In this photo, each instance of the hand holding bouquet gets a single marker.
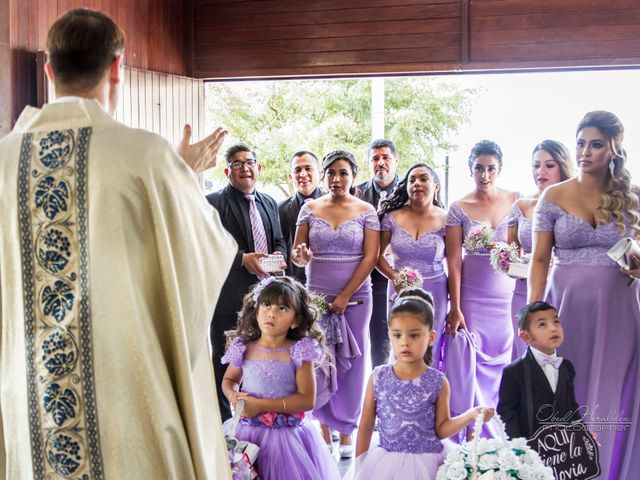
(407, 277)
(502, 255)
(479, 237)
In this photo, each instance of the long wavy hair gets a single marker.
(400, 197)
(418, 302)
(560, 155)
(280, 291)
(619, 200)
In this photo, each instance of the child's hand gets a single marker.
(251, 408)
(486, 413)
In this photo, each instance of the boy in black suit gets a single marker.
(537, 389)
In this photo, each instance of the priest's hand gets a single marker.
(201, 155)
(251, 261)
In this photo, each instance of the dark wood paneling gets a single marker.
(585, 32)
(317, 37)
(158, 31)
(280, 38)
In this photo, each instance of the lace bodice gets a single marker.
(406, 410)
(524, 224)
(347, 239)
(271, 373)
(425, 254)
(457, 218)
(576, 242)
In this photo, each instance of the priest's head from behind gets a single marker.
(85, 50)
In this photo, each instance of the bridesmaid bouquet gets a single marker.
(502, 255)
(408, 278)
(493, 459)
(479, 237)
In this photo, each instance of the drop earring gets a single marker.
(612, 166)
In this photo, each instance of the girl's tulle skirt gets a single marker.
(291, 453)
(379, 464)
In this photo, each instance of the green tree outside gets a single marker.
(279, 118)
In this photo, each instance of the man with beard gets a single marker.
(383, 162)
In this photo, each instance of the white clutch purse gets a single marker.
(623, 253)
(518, 270)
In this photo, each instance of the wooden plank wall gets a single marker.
(554, 33)
(236, 39)
(162, 103)
(159, 39)
(320, 37)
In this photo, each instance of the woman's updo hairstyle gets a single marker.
(331, 157)
(485, 147)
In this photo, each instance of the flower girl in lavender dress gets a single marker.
(410, 400)
(273, 359)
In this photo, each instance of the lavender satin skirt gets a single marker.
(329, 278)
(518, 301)
(474, 359)
(601, 319)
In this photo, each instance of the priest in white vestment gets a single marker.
(111, 263)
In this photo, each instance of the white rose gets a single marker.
(442, 473)
(488, 462)
(499, 475)
(508, 460)
(453, 457)
(519, 443)
(525, 472)
(531, 457)
(456, 471)
(487, 475)
(540, 472)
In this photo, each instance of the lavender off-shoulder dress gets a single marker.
(336, 255)
(475, 357)
(600, 314)
(408, 448)
(290, 448)
(426, 254)
(519, 299)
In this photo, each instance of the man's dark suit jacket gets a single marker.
(367, 192)
(234, 214)
(289, 210)
(522, 415)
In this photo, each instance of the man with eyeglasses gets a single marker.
(383, 162)
(252, 219)
(305, 176)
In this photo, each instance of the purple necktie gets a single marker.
(547, 360)
(257, 228)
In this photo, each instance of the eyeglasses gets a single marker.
(238, 164)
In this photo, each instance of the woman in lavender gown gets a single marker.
(338, 240)
(579, 220)
(550, 164)
(480, 311)
(412, 224)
